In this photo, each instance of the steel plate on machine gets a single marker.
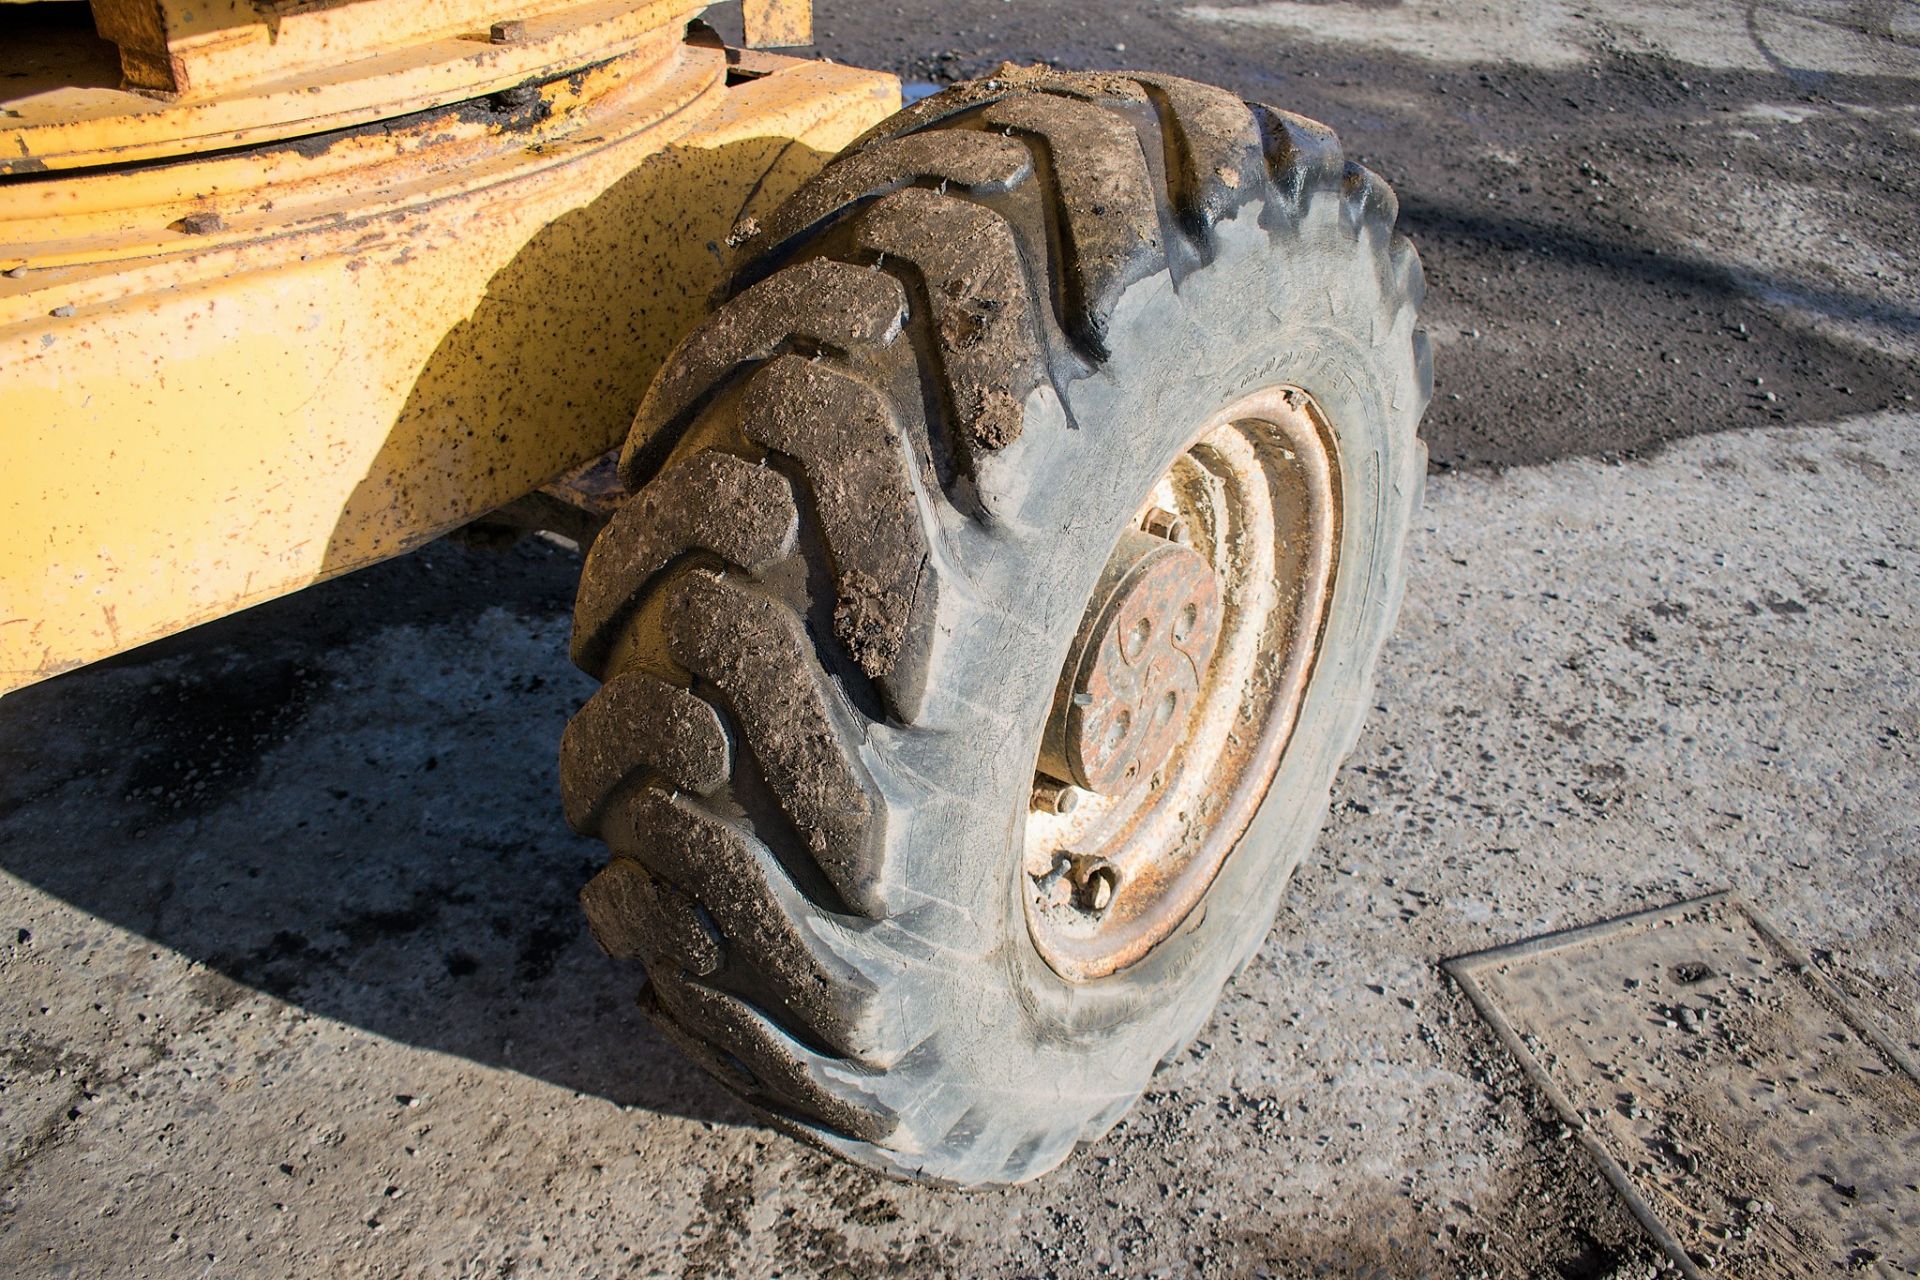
(1756, 1124)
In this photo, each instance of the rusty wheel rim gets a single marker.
(1180, 694)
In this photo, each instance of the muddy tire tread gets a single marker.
(910, 295)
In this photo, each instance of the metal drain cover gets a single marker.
(1756, 1125)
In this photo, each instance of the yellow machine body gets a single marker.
(268, 317)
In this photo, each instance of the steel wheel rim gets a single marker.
(1113, 875)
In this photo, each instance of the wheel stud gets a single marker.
(1052, 796)
(1162, 523)
(1094, 881)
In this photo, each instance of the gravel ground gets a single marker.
(291, 976)
(304, 984)
(1629, 211)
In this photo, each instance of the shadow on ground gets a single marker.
(346, 799)
(1621, 251)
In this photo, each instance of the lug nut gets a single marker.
(1094, 882)
(1050, 796)
(1162, 523)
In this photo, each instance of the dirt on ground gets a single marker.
(1638, 220)
(1758, 1124)
(292, 978)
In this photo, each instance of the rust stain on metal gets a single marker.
(213, 78)
(1139, 660)
(200, 224)
(593, 486)
(1178, 702)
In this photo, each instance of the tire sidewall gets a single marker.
(1310, 300)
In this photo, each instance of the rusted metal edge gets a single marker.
(575, 506)
(1828, 994)
(1463, 968)
(325, 67)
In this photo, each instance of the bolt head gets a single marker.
(1094, 882)
(1055, 797)
(511, 31)
(1162, 523)
(1099, 892)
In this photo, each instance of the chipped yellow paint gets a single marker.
(777, 24)
(362, 341)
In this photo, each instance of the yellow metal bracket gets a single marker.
(68, 99)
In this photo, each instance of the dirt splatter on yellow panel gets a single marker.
(253, 407)
(777, 24)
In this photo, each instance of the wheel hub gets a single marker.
(1137, 666)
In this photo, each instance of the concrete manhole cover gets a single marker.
(1756, 1125)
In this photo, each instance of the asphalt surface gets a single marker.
(291, 977)
(1627, 211)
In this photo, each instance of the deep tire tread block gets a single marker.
(881, 339)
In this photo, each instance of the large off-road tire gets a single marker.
(879, 494)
